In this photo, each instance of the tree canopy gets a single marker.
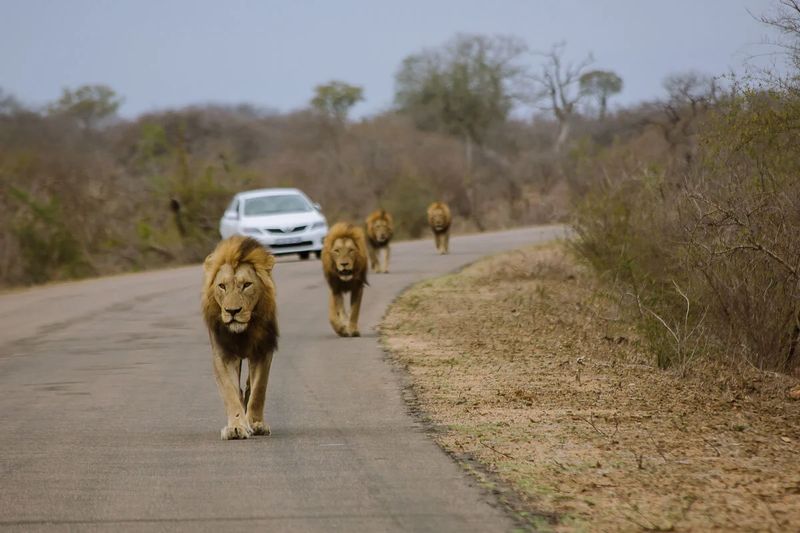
(462, 88)
(600, 84)
(335, 99)
(88, 104)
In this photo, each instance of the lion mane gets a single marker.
(375, 216)
(261, 336)
(345, 230)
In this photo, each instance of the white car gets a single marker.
(284, 220)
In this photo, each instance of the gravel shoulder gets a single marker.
(525, 368)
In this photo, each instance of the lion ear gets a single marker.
(264, 270)
(208, 272)
(269, 262)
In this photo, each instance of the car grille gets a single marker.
(284, 231)
(291, 245)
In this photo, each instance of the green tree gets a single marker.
(48, 246)
(335, 99)
(600, 84)
(87, 104)
(463, 88)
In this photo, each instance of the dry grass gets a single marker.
(533, 374)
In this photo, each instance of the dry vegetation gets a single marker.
(84, 192)
(139, 194)
(703, 245)
(698, 232)
(526, 363)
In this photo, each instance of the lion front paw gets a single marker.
(236, 431)
(260, 428)
(354, 332)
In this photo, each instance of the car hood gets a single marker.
(284, 220)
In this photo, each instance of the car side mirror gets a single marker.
(317, 206)
(231, 215)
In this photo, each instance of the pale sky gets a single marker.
(173, 53)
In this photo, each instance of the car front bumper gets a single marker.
(306, 241)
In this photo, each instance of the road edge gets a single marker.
(497, 492)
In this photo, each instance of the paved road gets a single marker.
(109, 416)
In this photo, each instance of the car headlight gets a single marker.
(318, 225)
(251, 231)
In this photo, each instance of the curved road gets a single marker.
(110, 415)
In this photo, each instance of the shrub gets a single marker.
(48, 248)
(710, 257)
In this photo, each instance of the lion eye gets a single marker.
(221, 286)
(246, 284)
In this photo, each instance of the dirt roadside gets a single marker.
(527, 370)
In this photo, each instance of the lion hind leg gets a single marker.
(247, 392)
(242, 392)
(355, 309)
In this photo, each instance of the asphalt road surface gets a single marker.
(110, 418)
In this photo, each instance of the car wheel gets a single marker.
(318, 254)
(304, 255)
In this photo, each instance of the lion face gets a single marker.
(438, 219)
(343, 253)
(381, 230)
(237, 293)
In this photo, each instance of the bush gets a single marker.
(710, 257)
(48, 248)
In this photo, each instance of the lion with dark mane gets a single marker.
(439, 218)
(380, 229)
(344, 263)
(238, 302)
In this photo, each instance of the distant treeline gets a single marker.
(83, 192)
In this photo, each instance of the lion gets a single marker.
(439, 218)
(238, 303)
(344, 263)
(380, 228)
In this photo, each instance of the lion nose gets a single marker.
(233, 312)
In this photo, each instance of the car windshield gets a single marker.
(273, 205)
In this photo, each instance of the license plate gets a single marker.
(288, 240)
